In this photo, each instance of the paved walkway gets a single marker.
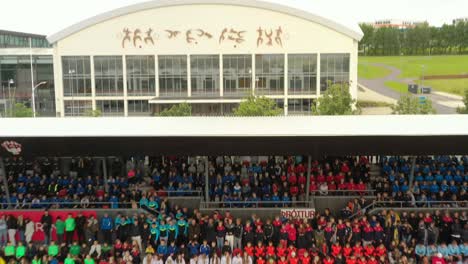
(443, 103)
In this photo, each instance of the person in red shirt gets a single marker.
(292, 179)
(328, 260)
(291, 250)
(380, 251)
(340, 176)
(332, 186)
(260, 260)
(294, 190)
(292, 233)
(320, 178)
(347, 250)
(351, 260)
(330, 178)
(369, 250)
(280, 250)
(302, 179)
(293, 259)
(361, 187)
(313, 187)
(260, 250)
(249, 249)
(372, 260)
(438, 259)
(351, 186)
(362, 260)
(270, 250)
(336, 249)
(357, 250)
(282, 260)
(305, 259)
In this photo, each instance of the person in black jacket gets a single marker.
(46, 221)
(237, 232)
(268, 230)
(80, 226)
(12, 226)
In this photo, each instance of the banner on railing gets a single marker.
(36, 216)
(298, 213)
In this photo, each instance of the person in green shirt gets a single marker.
(20, 251)
(9, 250)
(70, 226)
(36, 260)
(69, 259)
(89, 260)
(59, 229)
(53, 249)
(75, 249)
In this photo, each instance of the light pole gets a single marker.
(10, 106)
(34, 97)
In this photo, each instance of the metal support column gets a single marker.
(411, 176)
(207, 181)
(104, 173)
(309, 168)
(5, 181)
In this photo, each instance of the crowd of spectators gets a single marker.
(79, 182)
(436, 180)
(179, 236)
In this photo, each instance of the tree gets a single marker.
(335, 101)
(411, 105)
(464, 110)
(21, 110)
(93, 113)
(258, 106)
(183, 109)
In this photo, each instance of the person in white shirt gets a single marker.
(170, 260)
(194, 259)
(246, 259)
(215, 259)
(237, 259)
(29, 230)
(226, 258)
(180, 259)
(203, 259)
(95, 248)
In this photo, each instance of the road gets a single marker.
(443, 104)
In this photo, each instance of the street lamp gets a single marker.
(10, 82)
(34, 97)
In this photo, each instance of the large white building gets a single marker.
(141, 59)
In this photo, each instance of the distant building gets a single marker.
(459, 20)
(395, 23)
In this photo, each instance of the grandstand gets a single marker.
(241, 190)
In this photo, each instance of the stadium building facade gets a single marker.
(142, 59)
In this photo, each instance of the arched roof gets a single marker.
(348, 31)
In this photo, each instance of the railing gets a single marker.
(431, 205)
(343, 193)
(254, 204)
(70, 205)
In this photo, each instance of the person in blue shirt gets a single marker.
(453, 249)
(420, 251)
(444, 186)
(395, 187)
(172, 249)
(443, 249)
(431, 250)
(152, 204)
(404, 188)
(429, 177)
(114, 202)
(182, 228)
(453, 188)
(286, 200)
(162, 248)
(457, 177)
(464, 248)
(106, 227)
(143, 202)
(449, 177)
(416, 190)
(193, 248)
(424, 186)
(419, 178)
(205, 248)
(275, 197)
(163, 231)
(439, 178)
(434, 187)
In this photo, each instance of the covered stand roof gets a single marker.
(352, 31)
(317, 136)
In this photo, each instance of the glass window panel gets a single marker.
(302, 73)
(269, 71)
(204, 75)
(108, 75)
(141, 80)
(173, 76)
(76, 76)
(334, 69)
(237, 75)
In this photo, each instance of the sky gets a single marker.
(50, 16)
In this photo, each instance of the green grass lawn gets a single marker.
(397, 86)
(455, 86)
(412, 66)
(368, 71)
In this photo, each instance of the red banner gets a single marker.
(36, 216)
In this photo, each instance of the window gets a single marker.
(110, 107)
(77, 107)
(140, 76)
(237, 75)
(76, 76)
(269, 74)
(302, 73)
(138, 108)
(300, 106)
(334, 69)
(173, 76)
(108, 76)
(204, 75)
